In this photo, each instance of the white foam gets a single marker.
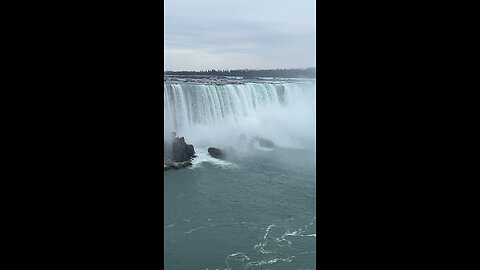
(202, 156)
(236, 258)
(239, 256)
(194, 229)
(298, 233)
(261, 246)
(294, 233)
(272, 261)
(268, 229)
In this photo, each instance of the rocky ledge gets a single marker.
(170, 164)
(264, 142)
(219, 153)
(177, 153)
(242, 142)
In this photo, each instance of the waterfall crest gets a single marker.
(210, 114)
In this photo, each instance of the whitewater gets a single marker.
(207, 114)
(256, 211)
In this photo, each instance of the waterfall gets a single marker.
(211, 114)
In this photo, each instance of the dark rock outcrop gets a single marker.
(170, 164)
(228, 152)
(264, 142)
(178, 150)
(181, 150)
(216, 153)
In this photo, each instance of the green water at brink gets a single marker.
(253, 212)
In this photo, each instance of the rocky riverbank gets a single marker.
(177, 153)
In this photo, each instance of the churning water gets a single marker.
(255, 211)
(217, 114)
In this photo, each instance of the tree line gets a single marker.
(252, 73)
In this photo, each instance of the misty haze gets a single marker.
(239, 134)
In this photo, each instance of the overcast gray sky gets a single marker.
(235, 34)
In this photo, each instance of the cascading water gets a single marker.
(216, 115)
(252, 197)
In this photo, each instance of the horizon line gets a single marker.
(241, 69)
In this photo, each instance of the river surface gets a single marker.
(256, 212)
(257, 209)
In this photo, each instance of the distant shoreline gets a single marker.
(250, 73)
